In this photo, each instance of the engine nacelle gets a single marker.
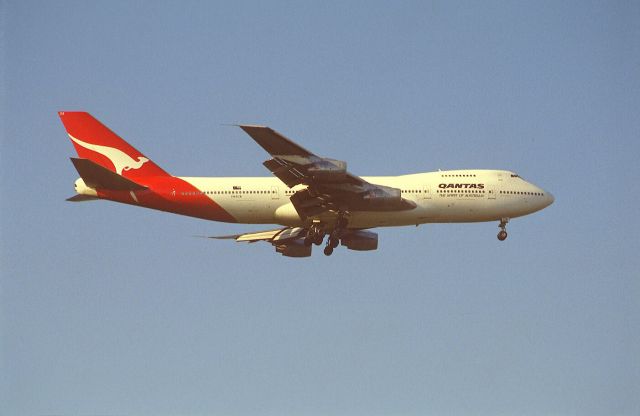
(361, 240)
(382, 197)
(294, 248)
(328, 170)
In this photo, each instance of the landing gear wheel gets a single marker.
(315, 235)
(328, 250)
(334, 238)
(502, 235)
(308, 240)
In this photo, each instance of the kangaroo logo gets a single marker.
(121, 161)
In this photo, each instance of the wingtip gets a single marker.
(217, 237)
(245, 126)
(252, 126)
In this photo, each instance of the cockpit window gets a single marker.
(514, 175)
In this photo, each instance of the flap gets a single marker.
(273, 236)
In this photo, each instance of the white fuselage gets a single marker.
(443, 196)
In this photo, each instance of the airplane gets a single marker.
(310, 197)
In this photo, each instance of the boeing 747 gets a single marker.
(311, 198)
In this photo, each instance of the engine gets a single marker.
(294, 248)
(360, 240)
(328, 170)
(382, 197)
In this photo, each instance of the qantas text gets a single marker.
(461, 185)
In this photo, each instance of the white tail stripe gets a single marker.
(121, 161)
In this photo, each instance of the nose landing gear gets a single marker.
(502, 235)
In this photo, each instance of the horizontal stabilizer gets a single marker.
(82, 198)
(96, 176)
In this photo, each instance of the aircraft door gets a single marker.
(426, 192)
(275, 192)
(491, 192)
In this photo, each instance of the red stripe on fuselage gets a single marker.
(171, 194)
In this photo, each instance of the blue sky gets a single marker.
(109, 309)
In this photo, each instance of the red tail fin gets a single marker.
(97, 143)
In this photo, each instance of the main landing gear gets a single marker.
(334, 238)
(502, 235)
(332, 242)
(315, 235)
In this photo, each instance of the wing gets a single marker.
(279, 235)
(287, 241)
(329, 186)
(290, 241)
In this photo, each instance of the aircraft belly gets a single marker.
(370, 219)
(480, 210)
(443, 210)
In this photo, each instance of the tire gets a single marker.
(502, 235)
(328, 250)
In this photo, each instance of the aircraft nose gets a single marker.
(550, 198)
